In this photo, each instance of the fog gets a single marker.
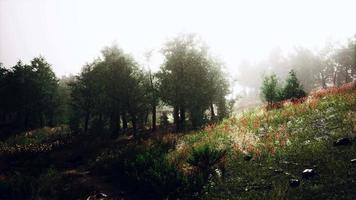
(70, 33)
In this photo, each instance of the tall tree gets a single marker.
(83, 97)
(152, 90)
(187, 82)
(111, 90)
(30, 92)
(270, 89)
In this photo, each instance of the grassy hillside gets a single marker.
(268, 150)
(255, 155)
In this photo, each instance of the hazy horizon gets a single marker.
(70, 33)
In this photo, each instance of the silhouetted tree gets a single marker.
(30, 92)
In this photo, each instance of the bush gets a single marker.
(146, 169)
(18, 186)
(292, 89)
(274, 94)
(206, 157)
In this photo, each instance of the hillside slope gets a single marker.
(256, 155)
(269, 150)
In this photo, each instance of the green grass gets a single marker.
(283, 143)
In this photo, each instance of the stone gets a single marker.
(247, 157)
(98, 196)
(308, 173)
(353, 161)
(294, 182)
(342, 142)
(285, 162)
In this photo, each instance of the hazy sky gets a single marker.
(70, 33)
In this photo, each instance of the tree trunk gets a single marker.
(26, 121)
(41, 120)
(124, 120)
(86, 124)
(334, 78)
(323, 80)
(346, 75)
(115, 124)
(182, 117)
(212, 112)
(176, 117)
(134, 125)
(154, 118)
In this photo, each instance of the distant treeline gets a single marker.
(332, 65)
(114, 93)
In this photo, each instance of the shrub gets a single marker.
(206, 157)
(19, 186)
(292, 89)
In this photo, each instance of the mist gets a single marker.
(177, 99)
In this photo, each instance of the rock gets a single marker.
(285, 162)
(353, 161)
(247, 157)
(98, 196)
(306, 142)
(308, 173)
(294, 182)
(342, 142)
(322, 138)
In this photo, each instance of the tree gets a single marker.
(47, 91)
(152, 90)
(30, 92)
(217, 90)
(4, 93)
(345, 67)
(187, 80)
(292, 89)
(270, 89)
(308, 66)
(83, 97)
(111, 90)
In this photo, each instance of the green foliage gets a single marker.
(270, 89)
(30, 94)
(205, 157)
(110, 90)
(292, 88)
(18, 187)
(190, 80)
(146, 167)
(155, 173)
(273, 93)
